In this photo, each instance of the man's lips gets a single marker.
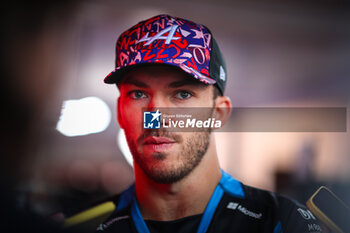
(158, 144)
(157, 140)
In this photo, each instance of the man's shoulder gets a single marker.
(236, 189)
(288, 214)
(286, 206)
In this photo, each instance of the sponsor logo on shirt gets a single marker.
(314, 227)
(222, 74)
(243, 210)
(306, 214)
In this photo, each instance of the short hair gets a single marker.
(216, 92)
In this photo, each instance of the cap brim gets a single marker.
(116, 75)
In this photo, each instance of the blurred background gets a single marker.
(55, 56)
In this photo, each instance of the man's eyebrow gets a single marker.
(182, 83)
(137, 83)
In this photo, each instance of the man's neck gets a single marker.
(186, 197)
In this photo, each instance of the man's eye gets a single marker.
(183, 95)
(137, 94)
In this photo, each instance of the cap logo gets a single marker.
(222, 74)
(159, 36)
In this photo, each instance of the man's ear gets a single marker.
(119, 116)
(222, 108)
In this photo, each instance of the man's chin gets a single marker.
(164, 172)
(166, 177)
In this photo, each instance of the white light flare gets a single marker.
(83, 116)
(124, 148)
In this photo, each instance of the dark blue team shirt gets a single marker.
(234, 207)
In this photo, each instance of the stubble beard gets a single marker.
(190, 155)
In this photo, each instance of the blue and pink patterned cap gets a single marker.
(165, 39)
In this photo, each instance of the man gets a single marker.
(168, 62)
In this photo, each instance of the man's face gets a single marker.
(165, 157)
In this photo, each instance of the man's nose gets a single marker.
(158, 101)
(161, 103)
